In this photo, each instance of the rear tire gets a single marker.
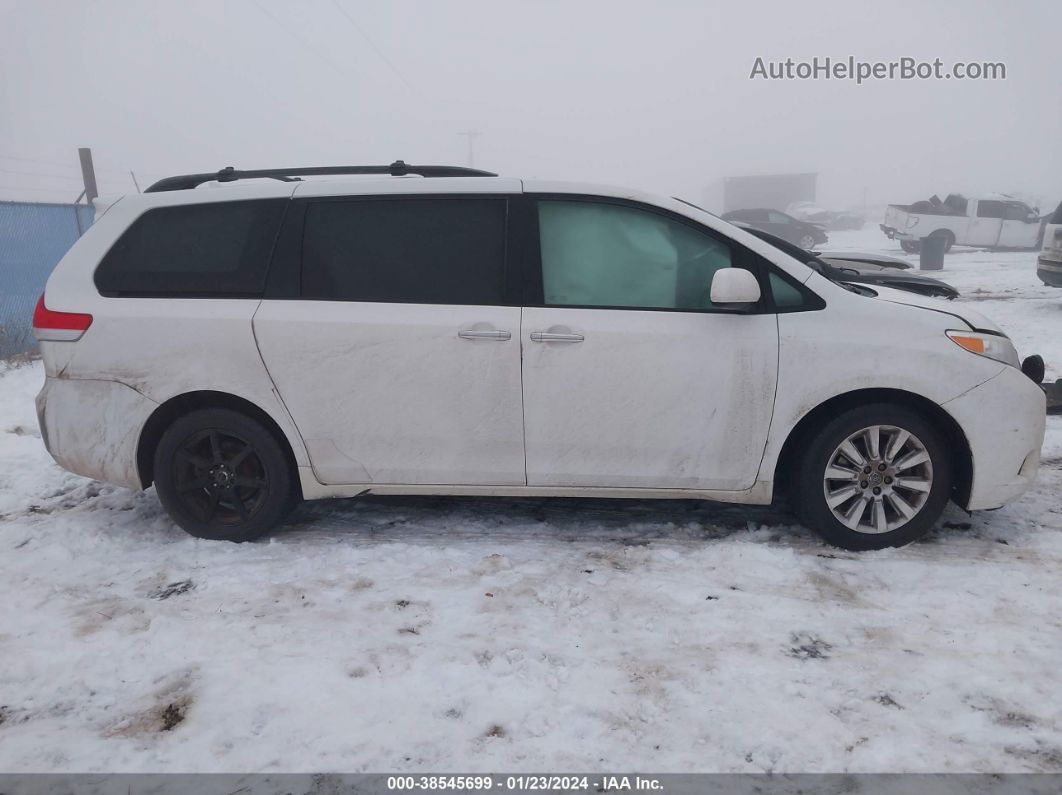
(223, 476)
(873, 496)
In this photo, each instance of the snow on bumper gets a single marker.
(1004, 420)
(92, 427)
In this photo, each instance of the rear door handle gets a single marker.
(491, 334)
(549, 336)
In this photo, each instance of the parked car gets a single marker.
(991, 221)
(781, 225)
(829, 219)
(838, 269)
(262, 343)
(1049, 263)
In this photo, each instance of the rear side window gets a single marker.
(195, 250)
(989, 208)
(409, 250)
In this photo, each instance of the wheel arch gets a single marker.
(816, 418)
(945, 233)
(169, 411)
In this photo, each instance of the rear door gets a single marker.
(632, 377)
(985, 225)
(390, 333)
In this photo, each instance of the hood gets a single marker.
(974, 320)
(884, 277)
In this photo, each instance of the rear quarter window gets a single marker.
(219, 249)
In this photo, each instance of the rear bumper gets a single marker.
(1004, 420)
(92, 428)
(1049, 271)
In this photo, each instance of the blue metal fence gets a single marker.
(33, 238)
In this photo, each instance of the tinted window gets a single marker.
(409, 250)
(1016, 211)
(777, 218)
(989, 209)
(610, 255)
(786, 295)
(220, 248)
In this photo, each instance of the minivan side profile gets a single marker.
(434, 330)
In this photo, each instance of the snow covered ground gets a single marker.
(517, 635)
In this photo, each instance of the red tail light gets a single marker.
(58, 326)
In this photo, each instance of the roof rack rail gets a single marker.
(230, 174)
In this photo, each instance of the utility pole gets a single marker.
(88, 174)
(472, 135)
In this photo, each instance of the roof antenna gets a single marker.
(399, 168)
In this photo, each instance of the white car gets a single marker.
(249, 346)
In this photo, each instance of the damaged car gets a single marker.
(273, 340)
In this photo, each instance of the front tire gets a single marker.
(806, 242)
(910, 246)
(223, 476)
(874, 477)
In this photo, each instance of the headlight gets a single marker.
(991, 345)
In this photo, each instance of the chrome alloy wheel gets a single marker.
(878, 479)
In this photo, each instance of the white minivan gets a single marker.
(434, 330)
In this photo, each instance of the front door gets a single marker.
(632, 378)
(1021, 226)
(399, 361)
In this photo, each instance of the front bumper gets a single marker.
(890, 231)
(1049, 271)
(1004, 421)
(92, 428)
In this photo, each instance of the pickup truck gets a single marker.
(990, 221)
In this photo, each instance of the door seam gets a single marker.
(523, 413)
(276, 391)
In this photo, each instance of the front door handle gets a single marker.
(549, 336)
(485, 334)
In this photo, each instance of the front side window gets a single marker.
(1016, 211)
(597, 254)
(777, 218)
(786, 294)
(205, 250)
(431, 250)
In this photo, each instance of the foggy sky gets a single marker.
(653, 95)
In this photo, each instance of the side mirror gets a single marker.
(734, 286)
